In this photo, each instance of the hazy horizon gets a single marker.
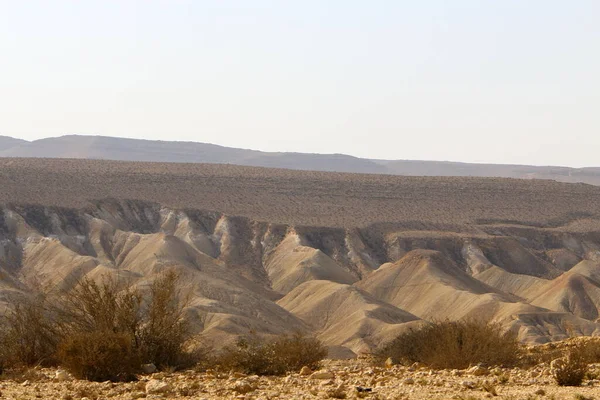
(317, 153)
(467, 81)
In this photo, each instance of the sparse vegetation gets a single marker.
(100, 356)
(101, 330)
(146, 328)
(277, 356)
(453, 344)
(163, 334)
(571, 369)
(29, 333)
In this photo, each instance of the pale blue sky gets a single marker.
(507, 81)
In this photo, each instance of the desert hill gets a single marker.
(114, 148)
(7, 143)
(351, 258)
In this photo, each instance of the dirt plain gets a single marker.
(302, 197)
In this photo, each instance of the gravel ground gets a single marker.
(337, 379)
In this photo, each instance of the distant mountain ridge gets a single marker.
(122, 149)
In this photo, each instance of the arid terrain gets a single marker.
(122, 149)
(344, 379)
(307, 198)
(353, 259)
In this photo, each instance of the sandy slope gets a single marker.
(344, 315)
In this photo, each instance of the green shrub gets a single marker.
(453, 344)
(100, 356)
(275, 356)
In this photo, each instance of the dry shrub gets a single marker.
(571, 369)
(100, 356)
(153, 323)
(164, 335)
(276, 356)
(453, 344)
(30, 333)
(101, 306)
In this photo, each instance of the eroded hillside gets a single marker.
(353, 287)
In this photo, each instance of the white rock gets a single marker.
(337, 393)
(468, 384)
(478, 371)
(156, 386)
(305, 371)
(149, 368)
(322, 374)
(61, 375)
(242, 386)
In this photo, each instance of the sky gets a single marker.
(507, 81)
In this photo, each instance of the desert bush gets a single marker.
(164, 335)
(571, 369)
(30, 332)
(101, 306)
(154, 321)
(453, 344)
(100, 356)
(276, 356)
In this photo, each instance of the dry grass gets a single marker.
(453, 344)
(276, 356)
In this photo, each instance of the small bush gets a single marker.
(100, 356)
(164, 335)
(100, 306)
(273, 357)
(30, 334)
(154, 320)
(453, 344)
(572, 369)
(87, 327)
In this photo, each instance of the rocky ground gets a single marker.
(338, 379)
